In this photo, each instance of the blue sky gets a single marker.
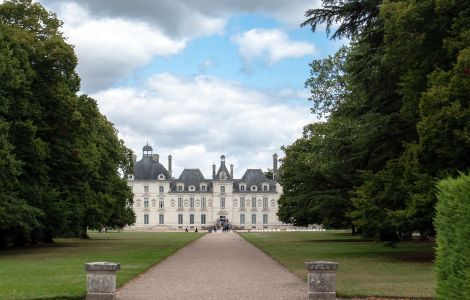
(192, 77)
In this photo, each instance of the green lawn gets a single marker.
(366, 268)
(57, 271)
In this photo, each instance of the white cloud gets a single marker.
(193, 118)
(270, 44)
(109, 49)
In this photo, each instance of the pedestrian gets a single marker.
(195, 230)
(186, 229)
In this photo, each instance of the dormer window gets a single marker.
(203, 187)
(242, 187)
(253, 188)
(161, 177)
(192, 188)
(265, 187)
(223, 176)
(130, 177)
(180, 187)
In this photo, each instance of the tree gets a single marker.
(66, 158)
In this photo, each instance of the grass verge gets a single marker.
(366, 268)
(57, 271)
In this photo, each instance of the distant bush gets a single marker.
(452, 224)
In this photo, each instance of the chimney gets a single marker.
(156, 157)
(169, 165)
(231, 171)
(274, 166)
(213, 171)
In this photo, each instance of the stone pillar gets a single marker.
(321, 280)
(101, 280)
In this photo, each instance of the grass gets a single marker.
(57, 271)
(365, 269)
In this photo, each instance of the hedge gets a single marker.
(452, 223)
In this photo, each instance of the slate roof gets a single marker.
(191, 177)
(254, 177)
(148, 168)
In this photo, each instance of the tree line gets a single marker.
(60, 158)
(396, 109)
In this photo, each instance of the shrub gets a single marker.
(452, 224)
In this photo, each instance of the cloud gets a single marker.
(193, 118)
(270, 44)
(109, 49)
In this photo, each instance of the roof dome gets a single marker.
(149, 169)
(147, 148)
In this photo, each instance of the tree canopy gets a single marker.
(396, 102)
(60, 158)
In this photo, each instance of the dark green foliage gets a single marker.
(453, 243)
(398, 112)
(60, 158)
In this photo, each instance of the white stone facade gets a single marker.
(164, 203)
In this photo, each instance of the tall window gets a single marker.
(161, 219)
(265, 219)
(242, 188)
(161, 203)
(253, 202)
(203, 218)
(242, 218)
(222, 202)
(146, 202)
(203, 188)
(191, 202)
(242, 202)
(265, 187)
(191, 219)
(180, 188)
(146, 188)
(265, 202)
(253, 219)
(180, 202)
(146, 219)
(180, 218)
(222, 189)
(203, 202)
(161, 189)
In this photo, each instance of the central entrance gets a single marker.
(223, 222)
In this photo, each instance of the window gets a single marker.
(222, 189)
(161, 189)
(265, 202)
(203, 188)
(222, 202)
(180, 202)
(242, 188)
(203, 219)
(146, 219)
(253, 202)
(146, 188)
(242, 218)
(203, 202)
(242, 202)
(265, 187)
(253, 219)
(192, 188)
(191, 219)
(180, 219)
(191, 202)
(161, 219)
(180, 188)
(161, 177)
(223, 176)
(161, 203)
(146, 202)
(254, 188)
(265, 219)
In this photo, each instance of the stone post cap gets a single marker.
(102, 266)
(321, 265)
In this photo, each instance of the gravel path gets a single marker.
(217, 266)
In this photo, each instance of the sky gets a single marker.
(198, 79)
